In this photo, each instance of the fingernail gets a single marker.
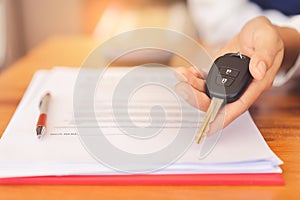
(261, 67)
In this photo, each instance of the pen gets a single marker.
(41, 123)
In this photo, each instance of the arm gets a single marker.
(291, 60)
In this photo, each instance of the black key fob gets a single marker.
(229, 77)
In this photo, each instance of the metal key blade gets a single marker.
(210, 115)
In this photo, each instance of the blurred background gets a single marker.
(26, 23)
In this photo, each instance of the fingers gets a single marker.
(196, 98)
(260, 39)
(188, 71)
(191, 76)
(196, 72)
(192, 87)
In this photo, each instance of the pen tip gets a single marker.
(40, 130)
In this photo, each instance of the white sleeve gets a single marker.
(217, 21)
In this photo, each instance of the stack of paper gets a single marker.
(149, 105)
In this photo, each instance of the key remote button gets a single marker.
(226, 81)
(229, 71)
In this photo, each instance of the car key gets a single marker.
(227, 80)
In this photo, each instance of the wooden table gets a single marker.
(276, 113)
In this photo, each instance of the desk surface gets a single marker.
(276, 113)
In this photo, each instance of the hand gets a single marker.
(261, 41)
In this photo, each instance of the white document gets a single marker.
(240, 148)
